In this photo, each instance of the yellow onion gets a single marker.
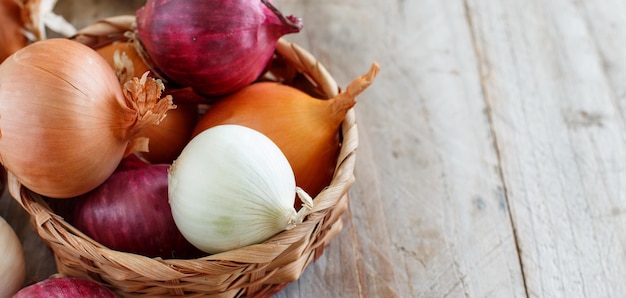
(305, 128)
(65, 120)
(12, 264)
(169, 138)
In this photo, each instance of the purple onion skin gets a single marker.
(130, 212)
(65, 287)
(215, 47)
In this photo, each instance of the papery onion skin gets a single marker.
(130, 212)
(306, 129)
(65, 287)
(231, 187)
(12, 263)
(215, 47)
(65, 122)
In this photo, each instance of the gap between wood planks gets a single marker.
(483, 74)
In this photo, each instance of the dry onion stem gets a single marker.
(124, 67)
(37, 15)
(144, 96)
(25, 21)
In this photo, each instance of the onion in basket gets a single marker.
(65, 287)
(65, 121)
(215, 47)
(231, 187)
(130, 212)
(169, 138)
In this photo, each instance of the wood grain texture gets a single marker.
(560, 135)
(492, 156)
(429, 216)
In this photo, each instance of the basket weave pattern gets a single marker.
(258, 270)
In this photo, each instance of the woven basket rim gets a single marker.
(261, 261)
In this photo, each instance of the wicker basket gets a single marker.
(257, 270)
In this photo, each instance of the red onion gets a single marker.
(130, 212)
(65, 287)
(215, 47)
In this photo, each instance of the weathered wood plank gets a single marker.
(429, 216)
(560, 136)
(606, 22)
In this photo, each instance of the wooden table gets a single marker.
(492, 157)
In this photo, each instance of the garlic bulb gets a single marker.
(12, 264)
(230, 187)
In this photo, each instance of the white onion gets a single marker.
(12, 264)
(232, 186)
